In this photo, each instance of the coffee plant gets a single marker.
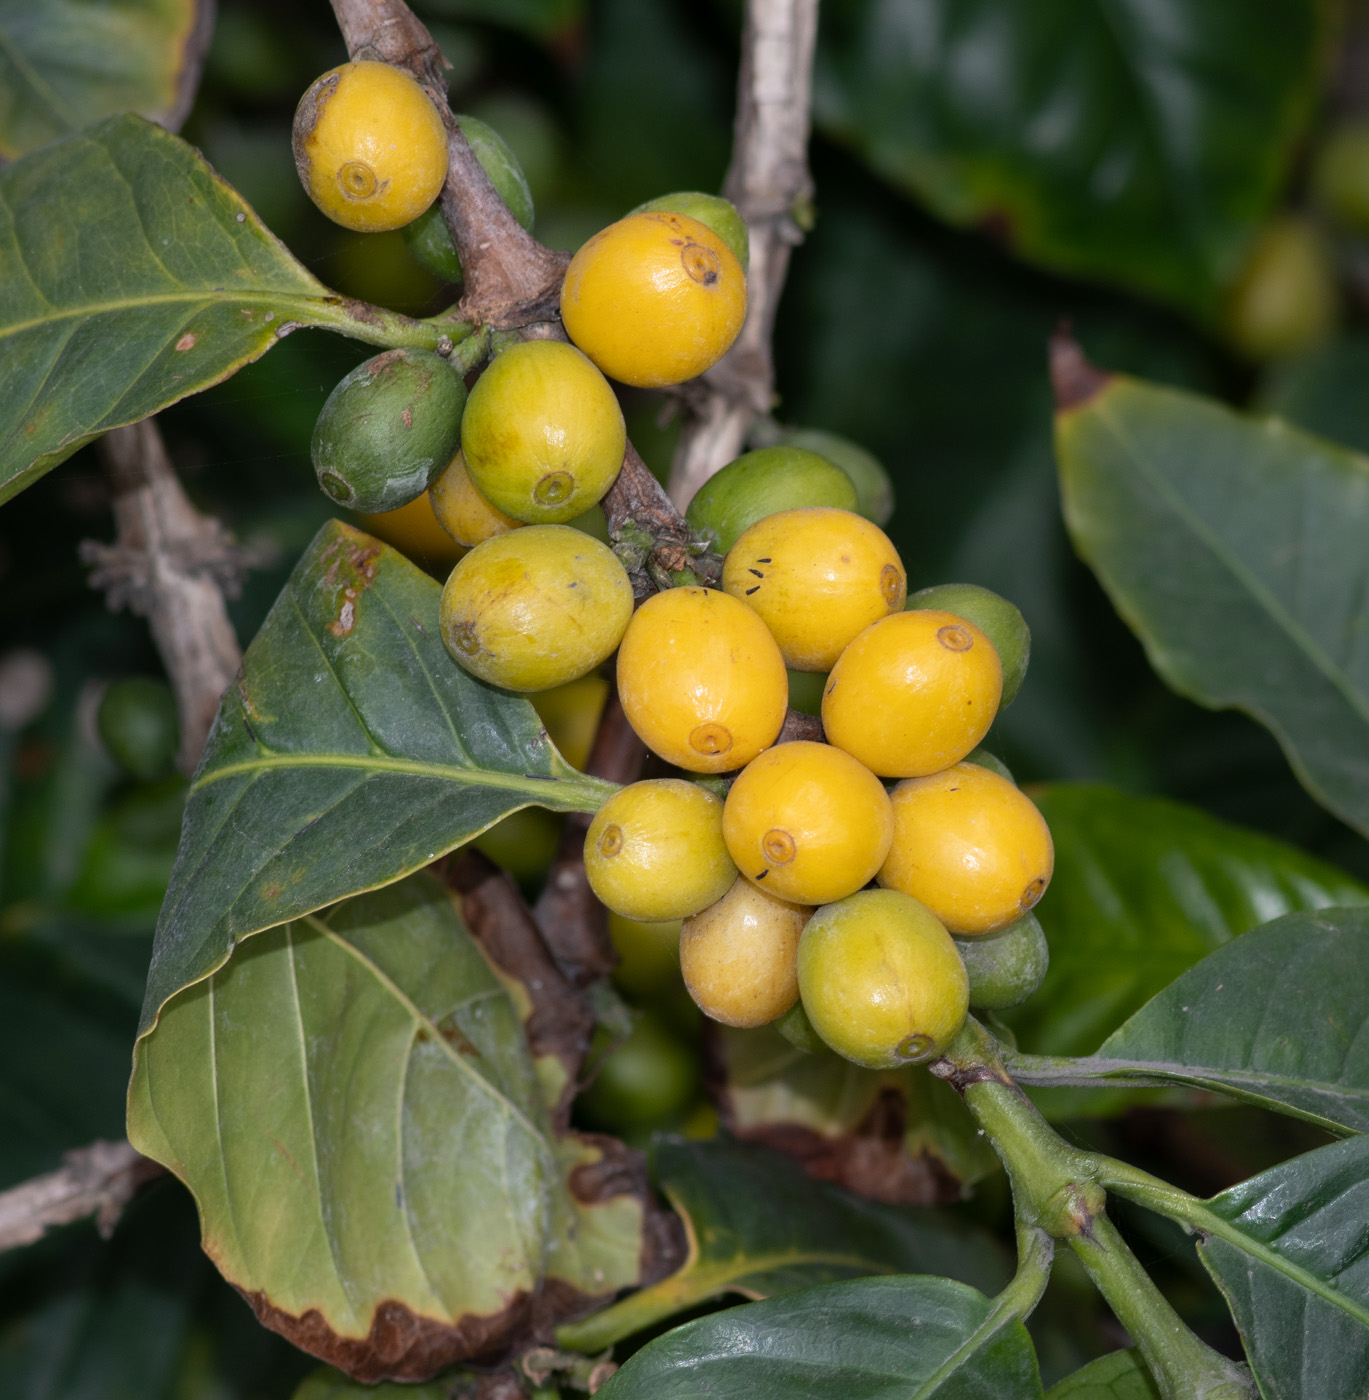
(691, 887)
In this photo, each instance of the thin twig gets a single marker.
(98, 1180)
(173, 566)
(769, 183)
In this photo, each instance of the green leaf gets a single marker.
(130, 276)
(1320, 391)
(351, 751)
(1294, 1266)
(1120, 1375)
(1143, 888)
(830, 1108)
(64, 64)
(870, 1339)
(1135, 144)
(1277, 1017)
(758, 1225)
(395, 1250)
(1235, 550)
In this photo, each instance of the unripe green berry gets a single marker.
(999, 620)
(798, 1030)
(874, 490)
(428, 237)
(388, 430)
(762, 483)
(1005, 968)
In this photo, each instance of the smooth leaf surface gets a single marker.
(1295, 1271)
(1120, 1375)
(1277, 1017)
(1320, 391)
(1143, 888)
(353, 1105)
(759, 1226)
(1136, 143)
(1234, 547)
(64, 64)
(130, 276)
(903, 1338)
(352, 751)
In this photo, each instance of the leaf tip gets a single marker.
(1074, 380)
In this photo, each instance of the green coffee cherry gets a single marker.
(798, 1030)
(138, 726)
(1340, 175)
(711, 210)
(647, 1081)
(388, 430)
(874, 490)
(428, 237)
(997, 618)
(1005, 968)
(763, 483)
(992, 762)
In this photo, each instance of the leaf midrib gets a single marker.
(584, 788)
(288, 301)
(1217, 547)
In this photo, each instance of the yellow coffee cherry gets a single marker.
(701, 680)
(806, 822)
(542, 435)
(739, 956)
(970, 846)
(881, 980)
(369, 146)
(654, 299)
(816, 576)
(462, 511)
(913, 693)
(414, 530)
(535, 608)
(655, 851)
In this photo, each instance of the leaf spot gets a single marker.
(187, 341)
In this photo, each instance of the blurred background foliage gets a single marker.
(967, 159)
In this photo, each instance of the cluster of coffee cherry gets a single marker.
(846, 888)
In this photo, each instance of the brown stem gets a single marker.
(173, 566)
(572, 920)
(98, 1180)
(510, 277)
(769, 183)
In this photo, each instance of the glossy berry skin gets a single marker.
(881, 980)
(655, 851)
(535, 608)
(429, 239)
(874, 490)
(913, 693)
(760, 483)
(369, 146)
(543, 435)
(999, 620)
(654, 299)
(701, 680)
(1005, 968)
(387, 430)
(462, 511)
(817, 577)
(739, 956)
(717, 213)
(972, 847)
(806, 822)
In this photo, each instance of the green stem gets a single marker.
(1195, 1215)
(373, 324)
(1035, 1254)
(1183, 1367)
(1060, 1190)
